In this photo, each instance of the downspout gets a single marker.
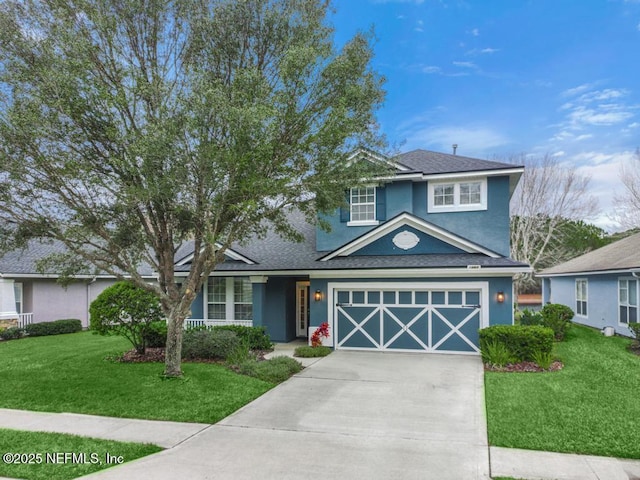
(93, 280)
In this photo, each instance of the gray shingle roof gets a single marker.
(23, 261)
(428, 162)
(621, 255)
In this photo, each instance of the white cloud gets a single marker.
(431, 69)
(481, 51)
(465, 64)
(473, 141)
(634, 125)
(583, 137)
(638, 26)
(576, 90)
(604, 116)
(475, 32)
(561, 153)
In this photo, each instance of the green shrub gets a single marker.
(522, 341)
(11, 333)
(543, 359)
(496, 353)
(156, 335)
(240, 354)
(256, 337)
(209, 344)
(558, 318)
(529, 317)
(308, 351)
(56, 327)
(275, 370)
(127, 310)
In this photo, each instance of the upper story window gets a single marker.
(458, 196)
(362, 203)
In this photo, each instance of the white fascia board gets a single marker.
(477, 173)
(418, 272)
(382, 273)
(228, 252)
(55, 275)
(415, 222)
(598, 272)
(377, 157)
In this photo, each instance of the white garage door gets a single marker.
(409, 317)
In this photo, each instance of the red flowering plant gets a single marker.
(321, 332)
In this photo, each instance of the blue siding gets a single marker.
(427, 244)
(602, 299)
(489, 228)
(197, 307)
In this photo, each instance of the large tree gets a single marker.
(628, 202)
(128, 127)
(547, 195)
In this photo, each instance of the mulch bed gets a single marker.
(635, 348)
(523, 367)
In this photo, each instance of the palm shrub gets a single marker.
(529, 317)
(558, 318)
(496, 353)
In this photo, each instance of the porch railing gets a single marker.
(199, 322)
(25, 319)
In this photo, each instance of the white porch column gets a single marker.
(7, 300)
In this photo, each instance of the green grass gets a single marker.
(592, 406)
(69, 373)
(56, 466)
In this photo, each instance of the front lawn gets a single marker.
(69, 373)
(57, 456)
(592, 406)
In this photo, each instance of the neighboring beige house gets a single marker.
(29, 296)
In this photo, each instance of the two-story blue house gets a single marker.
(418, 262)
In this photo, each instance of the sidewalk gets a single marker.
(534, 465)
(504, 462)
(161, 433)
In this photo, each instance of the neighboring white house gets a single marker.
(601, 287)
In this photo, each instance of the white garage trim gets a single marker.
(430, 311)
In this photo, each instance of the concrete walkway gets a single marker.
(352, 414)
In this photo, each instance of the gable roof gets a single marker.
(22, 262)
(408, 219)
(623, 255)
(432, 163)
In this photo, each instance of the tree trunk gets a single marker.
(173, 350)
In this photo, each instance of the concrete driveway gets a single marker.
(350, 415)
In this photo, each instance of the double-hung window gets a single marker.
(581, 297)
(458, 196)
(363, 205)
(229, 298)
(628, 301)
(17, 291)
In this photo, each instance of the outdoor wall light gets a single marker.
(317, 296)
(500, 297)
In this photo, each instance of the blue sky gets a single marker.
(502, 77)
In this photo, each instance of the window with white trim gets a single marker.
(229, 298)
(217, 298)
(628, 301)
(242, 298)
(581, 297)
(363, 204)
(17, 291)
(460, 196)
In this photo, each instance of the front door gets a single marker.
(302, 308)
